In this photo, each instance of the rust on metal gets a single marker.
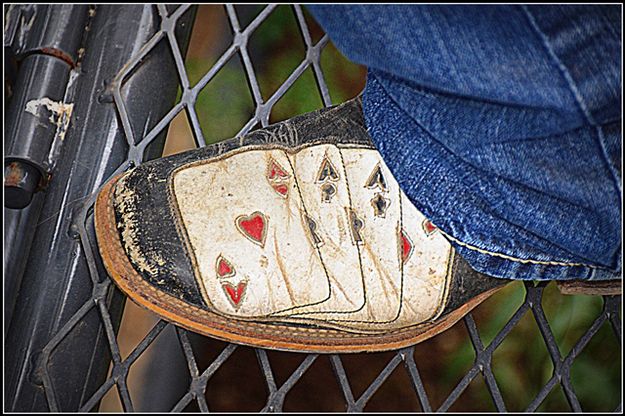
(13, 174)
(57, 53)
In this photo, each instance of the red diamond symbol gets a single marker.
(406, 246)
(428, 227)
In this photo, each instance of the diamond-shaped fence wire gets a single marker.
(343, 377)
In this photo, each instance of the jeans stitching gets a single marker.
(518, 260)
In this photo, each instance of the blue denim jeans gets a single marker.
(502, 124)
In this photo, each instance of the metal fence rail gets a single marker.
(63, 364)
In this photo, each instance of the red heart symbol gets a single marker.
(282, 189)
(254, 227)
(235, 294)
(224, 267)
(276, 172)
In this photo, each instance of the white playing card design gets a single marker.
(314, 167)
(319, 235)
(427, 259)
(211, 197)
(377, 263)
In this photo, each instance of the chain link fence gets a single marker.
(90, 326)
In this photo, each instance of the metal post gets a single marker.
(44, 40)
(58, 281)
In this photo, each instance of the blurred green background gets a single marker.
(521, 364)
(276, 48)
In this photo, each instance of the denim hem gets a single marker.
(387, 124)
(519, 269)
